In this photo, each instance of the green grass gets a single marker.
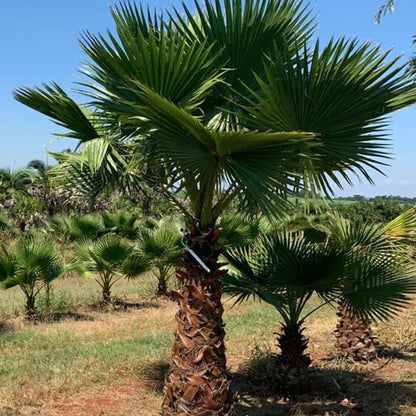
(60, 360)
(72, 293)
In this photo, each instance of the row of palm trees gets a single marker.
(107, 247)
(233, 103)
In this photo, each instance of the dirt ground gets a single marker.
(383, 388)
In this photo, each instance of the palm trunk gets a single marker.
(293, 364)
(197, 383)
(48, 295)
(162, 287)
(106, 302)
(30, 308)
(354, 338)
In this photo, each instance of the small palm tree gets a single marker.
(354, 337)
(285, 269)
(77, 228)
(160, 242)
(109, 259)
(31, 265)
(123, 223)
(12, 181)
(41, 173)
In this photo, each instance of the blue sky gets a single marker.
(38, 43)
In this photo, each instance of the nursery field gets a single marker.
(79, 361)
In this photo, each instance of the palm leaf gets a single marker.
(202, 157)
(343, 93)
(241, 34)
(149, 54)
(378, 287)
(65, 112)
(135, 265)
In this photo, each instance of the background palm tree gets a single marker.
(161, 245)
(76, 228)
(123, 223)
(108, 259)
(32, 264)
(355, 339)
(228, 105)
(41, 170)
(12, 181)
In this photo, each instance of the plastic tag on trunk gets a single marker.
(198, 259)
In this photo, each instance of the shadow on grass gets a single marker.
(8, 411)
(63, 316)
(396, 353)
(333, 393)
(155, 375)
(50, 317)
(6, 326)
(124, 305)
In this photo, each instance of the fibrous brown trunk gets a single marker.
(354, 338)
(162, 287)
(197, 383)
(30, 308)
(106, 302)
(292, 375)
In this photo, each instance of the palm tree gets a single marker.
(41, 170)
(31, 265)
(77, 228)
(227, 105)
(12, 181)
(354, 336)
(108, 259)
(285, 269)
(161, 245)
(123, 223)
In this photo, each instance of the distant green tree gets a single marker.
(375, 211)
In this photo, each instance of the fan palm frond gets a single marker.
(378, 287)
(344, 93)
(55, 103)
